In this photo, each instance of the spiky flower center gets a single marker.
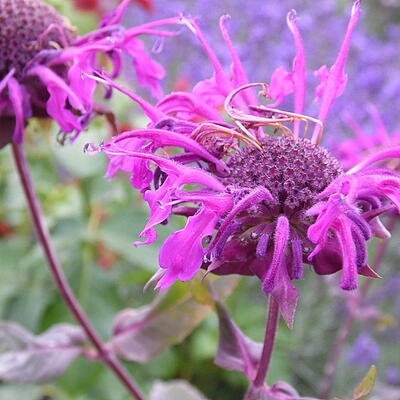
(26, 28)
(293, 170)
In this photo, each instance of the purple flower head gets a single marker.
(260, 194)
(43, 64)
(365, 351)
(393, 375)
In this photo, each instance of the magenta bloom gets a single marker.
(260, 198)
(43, 64)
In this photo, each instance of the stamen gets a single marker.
(208, 129)
(59, 29)
(249, 135)
(277, 116)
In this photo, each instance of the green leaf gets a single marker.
(235, 350)
(25, 392)
(122, 229)
(364, 389)
(10, 282)
(27, 358)
(143, 334)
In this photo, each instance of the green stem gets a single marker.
(60, 279)
(269, 342)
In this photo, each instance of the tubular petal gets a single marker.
(297, 259)
(16, 97)
(281, 239)
(161, 138)
(57, 105)
(262, 245)
(256, 196)
(239, 74)
(350, 274)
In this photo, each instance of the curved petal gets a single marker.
(57, 106)
(182, 253)
(161, 138)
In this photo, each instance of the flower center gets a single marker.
(26, 28)
(293, 170)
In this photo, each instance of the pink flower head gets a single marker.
(43, 64)
(263, 199)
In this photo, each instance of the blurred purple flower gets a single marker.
(364, 143)
(393, 375)
(260, 36)
(43, 64)
(258, 204)
(365, 351)
(390, 291)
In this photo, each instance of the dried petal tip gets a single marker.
(26, 28)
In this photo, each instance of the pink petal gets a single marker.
(161, 138)
(182, 253)
(281, 239)
(350, 272)
(281, 85)
(299, 74)
(333, 83)
(80, 83)
(115, 16)
(183, 102)
(148, 71)
(16, 98)
(59, 92)
(239, 76)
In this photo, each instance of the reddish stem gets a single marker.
(59, 277)
(269, 342)
(345, 330)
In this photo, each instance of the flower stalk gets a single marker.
(269, 342)
(60, 279)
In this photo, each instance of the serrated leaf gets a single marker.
(27, 358)
(364, 389)
(235, 350)
(143, 334)
(173, 390)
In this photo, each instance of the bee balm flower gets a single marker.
(263, 199)
(43, 64)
